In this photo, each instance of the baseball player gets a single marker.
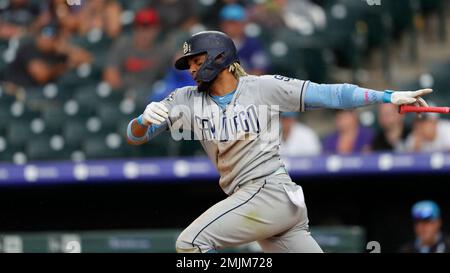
(235, 116)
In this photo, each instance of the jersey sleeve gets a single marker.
(178, 103)
(342, 96)
(287, 93)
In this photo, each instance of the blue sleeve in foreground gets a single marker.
(155, 130)
(342, 96)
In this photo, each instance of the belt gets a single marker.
(281, 170)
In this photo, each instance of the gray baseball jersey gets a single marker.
(242, 140)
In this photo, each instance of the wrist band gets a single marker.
(140, 122)
(387, 96)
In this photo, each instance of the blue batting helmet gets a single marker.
(425, 210)
(220, 49)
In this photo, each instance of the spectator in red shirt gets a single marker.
(137, 62)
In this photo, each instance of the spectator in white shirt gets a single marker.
(297, 139)
(429, 134)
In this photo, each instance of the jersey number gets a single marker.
(282, 78)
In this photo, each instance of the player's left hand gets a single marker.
(410, 97)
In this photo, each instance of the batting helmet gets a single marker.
(220, 49)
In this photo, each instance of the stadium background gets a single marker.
(67, 174)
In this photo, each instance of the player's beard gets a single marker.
(204, 86)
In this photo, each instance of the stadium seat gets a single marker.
(104, 146)
(5, 113)
(70, 81)
(162, 145)
(191, 148)
(110, 115)
(5, 99)
(87, 98)
(402, 13)
(20, 110)
(18, 133)
(343, 36)
(35, 98)
(6, 155)
(74, 132)
(428, 6)
(304, 57)
(54, 117)
(47, 147)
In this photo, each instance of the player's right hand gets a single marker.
(155, 113)
(410, 97)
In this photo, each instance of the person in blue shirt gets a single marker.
(429, 237)
(251, 51)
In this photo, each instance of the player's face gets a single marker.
(427, 231)
(195, 62)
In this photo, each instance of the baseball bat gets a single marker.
(419, 109)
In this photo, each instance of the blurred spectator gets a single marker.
(180, 18)
(393, 132)
(297, 139)
(174, 79)
(176, 13)
(68, 17)
(350, 136)
(137, 62)
(268, 14)
(427, 228)
(104, 15)
(44, 59)
(17, 17)
(302, 16)
(212, 19)
(429, 134)
(250, 50)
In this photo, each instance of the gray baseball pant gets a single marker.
(270, 211)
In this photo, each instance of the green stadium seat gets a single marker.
(98, 46)
(87, 98)
(18, 133)
(47, 148)
(133, 5)
(20, 110)
(299, 56)
(428, 6)
(70, 81)
(5, 98)
(54, 117)
(345, 33)
(191, 148)
(162, 145)
(109, 114)
(105, 146)
(74, 132)
(35, 98)
(402, 14)
(5, 117)
(7, 154)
